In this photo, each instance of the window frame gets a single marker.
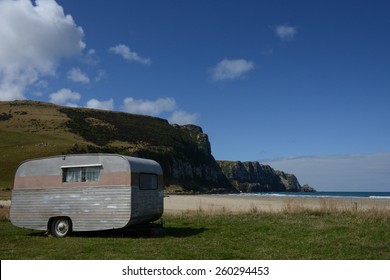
(83, 173)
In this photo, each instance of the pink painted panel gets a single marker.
(55, 181)
(38, 182)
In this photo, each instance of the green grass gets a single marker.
(30, 129)
(287, 235)
(16, 147)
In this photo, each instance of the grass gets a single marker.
(30, 129)
(34, 129)
(16, 147)
(290, 234)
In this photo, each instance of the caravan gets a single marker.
(86, 192)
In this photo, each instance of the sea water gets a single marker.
(371, 195)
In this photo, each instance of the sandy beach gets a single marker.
(222, 203)
(225, 203)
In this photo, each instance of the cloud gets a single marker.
(103, 105)
(148, 107)
(65, 97)
(231, 69)
(356, 172)
(181, 117)
(285, 32)
(91, 58)
(101, 74)
(34, 38)
(76, 75)
(158, 107)
(129, 55)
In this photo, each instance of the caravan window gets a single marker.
(81, 174)
(148, 181)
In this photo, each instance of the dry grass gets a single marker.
(4, 213)
(335, 207)
(296, 206)
(5, 194)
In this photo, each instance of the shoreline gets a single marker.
(236, 204)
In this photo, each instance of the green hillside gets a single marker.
(30, 129)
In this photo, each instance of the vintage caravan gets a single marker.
(86, 192)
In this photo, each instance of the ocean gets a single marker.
(371, 195)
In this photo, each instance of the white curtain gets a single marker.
(81, 174)
(91, 174)
(73, 175)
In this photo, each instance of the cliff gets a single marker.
(256, 177)
(34, 129)
(31, 129)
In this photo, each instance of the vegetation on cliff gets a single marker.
(256, 177)
(30, 129)
(34, 129)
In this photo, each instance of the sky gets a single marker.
(301, 85)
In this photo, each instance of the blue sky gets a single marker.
(295, 84)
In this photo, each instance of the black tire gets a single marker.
(61, 227)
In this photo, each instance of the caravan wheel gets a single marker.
(61, 227)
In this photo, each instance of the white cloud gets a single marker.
(65, 97)
(91, 58)
(103, 105)
(129, 55)
(356, 172)
(76, 75)
(285, 32)
(231, 69)
(157, 107)
(181, 117)
(148, 107)
(33, 40)
(101, 74)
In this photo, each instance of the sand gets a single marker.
(226, 203)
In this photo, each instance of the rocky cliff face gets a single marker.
(184, 152)
(199, 173)
(256, 177)
(197, 135)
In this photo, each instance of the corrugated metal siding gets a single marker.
(90, 208)
(146, 205)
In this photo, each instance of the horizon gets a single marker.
(303, 86)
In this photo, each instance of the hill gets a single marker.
(30, 129)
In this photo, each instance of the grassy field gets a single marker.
(300, 234)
